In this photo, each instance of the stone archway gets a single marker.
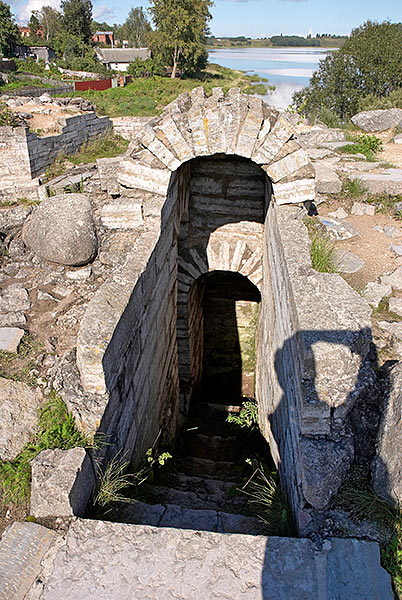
(311, 359)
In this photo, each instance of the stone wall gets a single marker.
(126, 127)
(24, 155)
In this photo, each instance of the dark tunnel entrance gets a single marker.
(230, 310)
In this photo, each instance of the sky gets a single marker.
(255, 18)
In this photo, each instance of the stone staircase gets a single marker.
(199, 490)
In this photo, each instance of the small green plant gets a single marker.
(268, 503)
(322, 252)
(366, 144)
(353, 188)
(247, 417)
(8, 118)
(56, 430)
(115, 479)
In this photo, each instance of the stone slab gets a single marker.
(22, 548)
(327, 180)
(10, 338)
(118, 561)
(394, 279)
(347, 262)
(338, 229)
(62, 481)
(374, 292)
(19, 404)
(388, 182)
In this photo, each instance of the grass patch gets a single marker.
(322, 249)
(385, 204)
(353, 188)
(267, 502)
(56, 430)
(368, 145)
(116, 484)
(148, 96)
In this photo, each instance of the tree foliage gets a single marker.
(77, 18)
(181, 27)
(9, 34)
(136, 27)
(367, 64)
(49, 20)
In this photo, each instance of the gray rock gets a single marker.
(22, 548)
(319, 136)
(347, 262)
(10, 338)
(324, 466)
(340, 213)
(395, 306)
(394, 329)
(14, 298)
(12, 319)
(62, 482)
(378, 120)
(361, 208)
(398, 139)
(61, 229)
(394, 279)
(374, 292)
(397, 249)
(79, 274)
(388, 182)
(387, 464)
(391, 232)
(318, 153)
(13, 217)
(19, 404)
(327, 180)
(115, 561)
(378, 228)
(337, 229)
(25, 115)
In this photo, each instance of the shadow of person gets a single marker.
(325, 409)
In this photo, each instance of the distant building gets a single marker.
(104, 37)
(119, 59)
(26, 32)
(43, 52)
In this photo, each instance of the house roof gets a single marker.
(121, 55)
(103, 33)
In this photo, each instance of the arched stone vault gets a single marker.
(313, 329)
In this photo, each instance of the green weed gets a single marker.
(56, 429)
(247, 417)
(353, 188)
(366, 144)
(268, 503)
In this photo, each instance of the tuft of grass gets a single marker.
(56, 429)
(116, 484)
(353, 188)
(382, 312)
(385, 204)
(322, 249)
(267, 502)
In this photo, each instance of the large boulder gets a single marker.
(19, 405)
(61, 229)
(387, 464)
(378, 120)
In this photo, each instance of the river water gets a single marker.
(289, 69)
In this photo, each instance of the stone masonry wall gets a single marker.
(24, 156)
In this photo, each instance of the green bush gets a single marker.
(374, 102)
(367, 64)
(144, 68)
(365, 144)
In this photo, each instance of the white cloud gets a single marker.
(103, 11)
(25, 10)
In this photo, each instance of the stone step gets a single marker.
(115, 561)
(189, 483)
(212, 447)
(172, 515)
(195, 499)
(202, 467)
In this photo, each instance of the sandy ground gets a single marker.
(47, 119)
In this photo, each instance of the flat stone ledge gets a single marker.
(118, 561)
(22, 548)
